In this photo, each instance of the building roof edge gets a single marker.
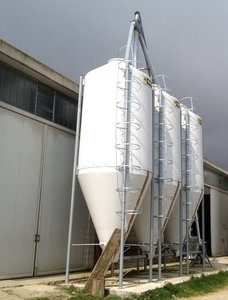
(36, 66)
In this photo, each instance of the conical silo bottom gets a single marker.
(142, 222)
(172, 231)
(99, 188)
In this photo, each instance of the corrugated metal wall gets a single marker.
(36, 162)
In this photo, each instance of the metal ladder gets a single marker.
(126, 149)
(186, 189)
(162, 178)
(126, 106)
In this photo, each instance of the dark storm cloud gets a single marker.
(187, 41)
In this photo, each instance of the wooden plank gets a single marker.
(95, 283)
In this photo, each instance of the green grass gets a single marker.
(78, 294)
(196, 286)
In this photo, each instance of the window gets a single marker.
(65, 111)
(22, 91)
(17, 89)
(45, 102)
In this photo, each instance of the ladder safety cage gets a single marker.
(129, 146)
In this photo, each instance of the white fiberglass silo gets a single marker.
(171, 164)
(192, 176)
(101, 143)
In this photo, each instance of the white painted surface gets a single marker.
(55, 207)
(196, 178)
(172, 155)
(25, 143)
(20, 161)
(219, 223)
(196, 164)
(172, 162)
(98, 156)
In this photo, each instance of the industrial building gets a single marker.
(37, 116)
(37, 129)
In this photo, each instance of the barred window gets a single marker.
(17, 89)
(45, 102)
(65, 111)
(24, 92)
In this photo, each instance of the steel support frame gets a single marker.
(151, 229)
(126, 151)
(161, 176)
(135, 35)
(187, 190)
(127, 137)
(181, 234)
(74, 177)
(203, 235)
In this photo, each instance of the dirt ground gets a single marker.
(49, 292)
(52, 287)
(52, 292)
(219, 295)
(36, 291)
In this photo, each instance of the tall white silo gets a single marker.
(101, 146)
(192, 150)
(172, 167)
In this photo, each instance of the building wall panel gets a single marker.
(20, 163)
(219, 223)
(36, 162)
(55, 207)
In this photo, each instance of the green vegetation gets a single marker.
(196, 286)
(78, 294)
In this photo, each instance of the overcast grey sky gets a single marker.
(187, 41)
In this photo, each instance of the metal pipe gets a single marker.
(138, 262)
(151, 249)
(181, 234)
(76, 151)
(136, 30)
(203, 234)
(135, 49)
(160, 181)
(138, 245)
(181, 206)
(122, 236)
(187, 190)
(147, 59)
(139, 256)
(192, 252)
(142, 40)
(129, 41)
(126, 152)
(151, 233)
(127, 136)
(198, 229)
(97, 244)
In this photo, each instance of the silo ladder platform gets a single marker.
(95, 284)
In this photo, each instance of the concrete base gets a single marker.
(53, 287)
